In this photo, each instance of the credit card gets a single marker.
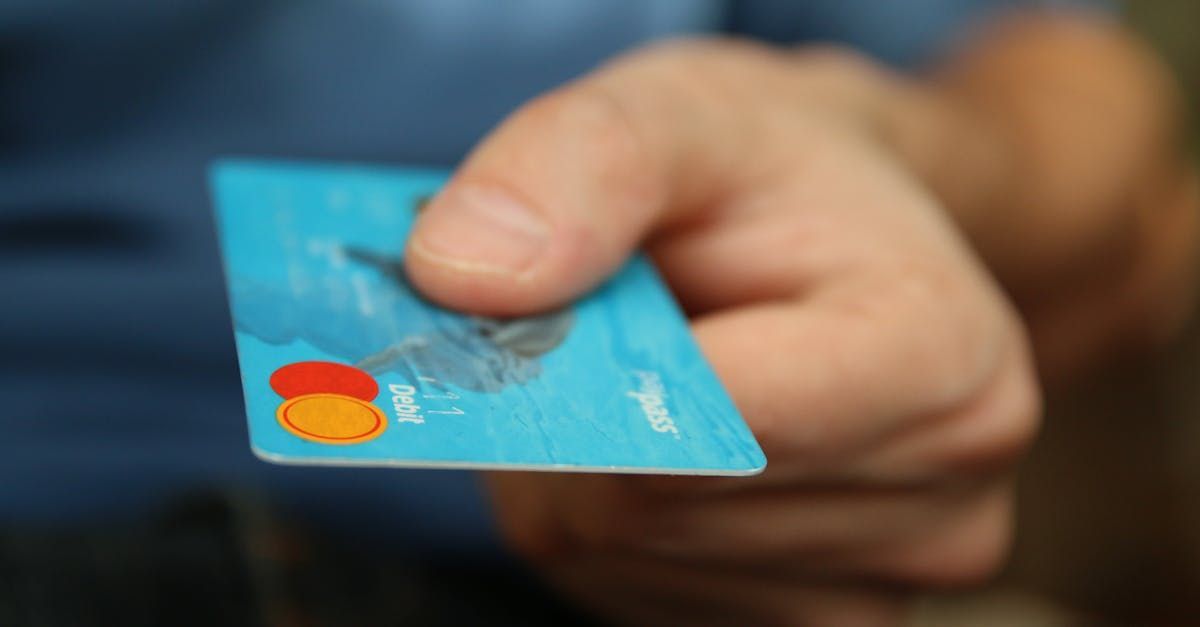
(343, 363)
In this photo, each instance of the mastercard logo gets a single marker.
(328, 402)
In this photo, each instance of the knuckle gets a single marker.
(702, 53)
(592, 127)
(1016, 425)
(950, 338)
(834, 59)
(725, 73)
(1000, 428)
(591, 119)
(976, 566)
(832, 70)
(960, 359)
(675, 52)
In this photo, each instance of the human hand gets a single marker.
(882, 371)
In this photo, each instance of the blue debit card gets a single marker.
(343, 363)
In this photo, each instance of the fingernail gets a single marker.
(481, 230)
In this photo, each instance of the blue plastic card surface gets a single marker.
(344, 364)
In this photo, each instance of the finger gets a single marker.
(981, 439)
(799, 530)
(828, 377)
(964, 549)
(557, 196)
(978, 441)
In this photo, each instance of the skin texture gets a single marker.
(849, 245)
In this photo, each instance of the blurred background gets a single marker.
(1109, 504)
(1109, 520)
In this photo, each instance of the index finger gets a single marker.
(555, 199)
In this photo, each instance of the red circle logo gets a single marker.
(316, 377)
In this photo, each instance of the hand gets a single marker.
(884, 374)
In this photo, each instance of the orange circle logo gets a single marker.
(328, 402)
(331, 418)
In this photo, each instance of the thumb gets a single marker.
(556, 198)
